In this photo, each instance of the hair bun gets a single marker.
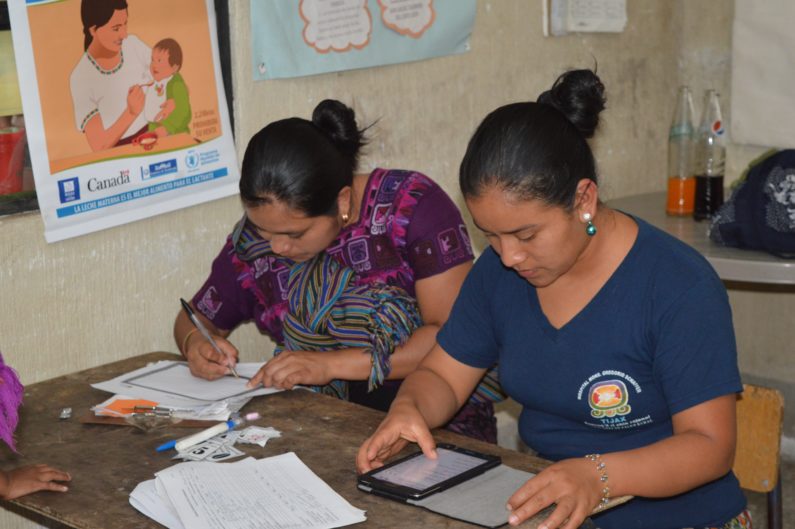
(338, 121)
(579, 95)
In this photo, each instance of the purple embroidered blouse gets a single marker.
(408, 229)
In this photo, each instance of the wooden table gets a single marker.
(731, 264)
(107, 462)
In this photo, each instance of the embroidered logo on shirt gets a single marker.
(359, 255)
(608, 399)
(210, 303)
(608, 394)
(389, 187)
(448, 241)
(380, 218)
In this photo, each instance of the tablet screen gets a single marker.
(421, 473)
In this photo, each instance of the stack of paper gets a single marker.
(170, 385)
(275, 492)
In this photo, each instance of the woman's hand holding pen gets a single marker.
(572, 484)
(204, 361)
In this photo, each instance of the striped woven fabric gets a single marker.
(489, 389)
(326, 311)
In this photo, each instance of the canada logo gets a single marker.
(608, 399)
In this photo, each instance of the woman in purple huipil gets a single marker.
(302, 197)
(31, 478)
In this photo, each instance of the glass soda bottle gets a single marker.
(681, 181)
(710, 159)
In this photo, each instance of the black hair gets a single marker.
(97, 13)
(538, 150)
(303, 163)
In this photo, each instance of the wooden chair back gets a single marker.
(760, 412)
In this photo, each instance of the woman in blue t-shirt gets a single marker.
(614, 337)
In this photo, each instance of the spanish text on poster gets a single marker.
(124, 108)
(305, 37)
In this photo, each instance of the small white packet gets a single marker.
(258, 435)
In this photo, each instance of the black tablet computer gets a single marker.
(415, 476)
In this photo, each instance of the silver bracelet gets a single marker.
(600, 467)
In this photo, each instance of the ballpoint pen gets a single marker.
(152, 410)
(202, 329)
(199, 437)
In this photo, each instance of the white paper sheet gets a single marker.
(275, 492)
(567, 16)
(146, 499)
(170, 384)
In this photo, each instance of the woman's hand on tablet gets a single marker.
(402, 425)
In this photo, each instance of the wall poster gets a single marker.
(124, 108)
(306, 37)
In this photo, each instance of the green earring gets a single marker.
(590, 229)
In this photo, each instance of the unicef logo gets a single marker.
(192, 160)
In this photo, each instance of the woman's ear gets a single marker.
(587, 196)
(345, 201)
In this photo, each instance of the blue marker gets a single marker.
(166, 446)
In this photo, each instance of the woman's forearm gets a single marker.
(356, 363)
(183, 326)
(700, 450)
(408, 356)
(669, 467)
(429, 393)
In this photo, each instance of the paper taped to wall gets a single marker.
(566, 16)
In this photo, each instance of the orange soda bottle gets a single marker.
(681, 179)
